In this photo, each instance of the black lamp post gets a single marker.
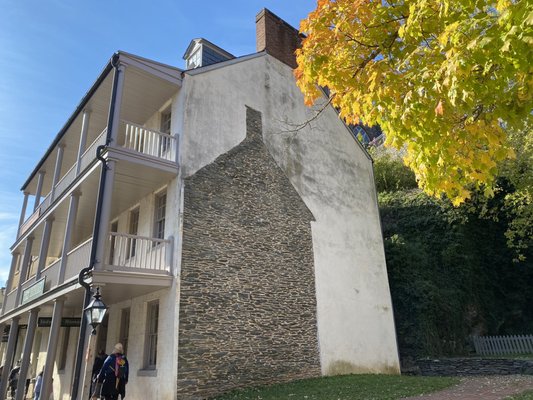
(95, 311)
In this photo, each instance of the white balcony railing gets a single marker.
(64, 182)
(9, 301)
(132, 137)
(139, 254)
(51, 273)
(88, 156)
(78, 258)
(90, 153)
(148, 141)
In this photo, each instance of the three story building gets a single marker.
(234, 235)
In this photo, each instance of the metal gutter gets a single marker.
(96, 229)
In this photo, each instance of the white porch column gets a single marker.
(51, 350)
(45, 242)
(57, 169)
(23, 211)
(26, 353)
(83, 138)
(86, 371)
(67, 239)
(40, 180)
(24, 268)
(10, 352)
(105, 214)
(118, 103)
(14, 262)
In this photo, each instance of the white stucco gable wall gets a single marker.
(332, 174)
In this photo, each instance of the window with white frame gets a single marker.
(160, 214)
(166, 116)
(152, 324)
(113, 242)
(195, 59)
(133, 229)
(125, 328)
(64, 350)
(164, 141)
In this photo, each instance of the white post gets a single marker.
(14, 262)
(105, 214)
(118, 103)
(23, 211)
(169, 252)
(26, 353)
(57, 169)
(10, 352)
(67, 239)
(51, 350)
(40, 180)
(24, 268)
(86, 370)
(83, 138)
(45, 242)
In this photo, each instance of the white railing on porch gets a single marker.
(64, 182)
(139, 254)
(90, 153)
(132, 137)
(501, 345)
(88, 156)
(51, 273)
(9, 300)
(78, 258)
(149, 141)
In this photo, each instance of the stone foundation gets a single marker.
(474, 366)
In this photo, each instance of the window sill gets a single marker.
(147, 372)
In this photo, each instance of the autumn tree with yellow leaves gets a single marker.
(445, 80)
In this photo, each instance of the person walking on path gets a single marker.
(114, 375)
(38, 385)
(14, 379)
(97, 366)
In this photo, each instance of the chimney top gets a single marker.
(277, 37)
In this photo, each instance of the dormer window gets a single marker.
(195, 60)
(201, 53)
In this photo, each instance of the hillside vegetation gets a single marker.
(457, 271)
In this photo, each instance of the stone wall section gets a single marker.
(247, 297)
(474, 366)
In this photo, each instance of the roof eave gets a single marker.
(85, 99)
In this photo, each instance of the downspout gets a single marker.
(85, 271)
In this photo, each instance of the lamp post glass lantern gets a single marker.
(95, 311)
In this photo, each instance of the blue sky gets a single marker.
(52, 51)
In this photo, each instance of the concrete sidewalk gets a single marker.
(494, 387)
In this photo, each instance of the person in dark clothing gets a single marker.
(97, 366)
(14, 379)
(114, 375)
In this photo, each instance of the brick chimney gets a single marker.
(277, 37)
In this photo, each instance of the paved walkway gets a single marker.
(482, 388)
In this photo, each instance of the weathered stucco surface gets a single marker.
(333, 176)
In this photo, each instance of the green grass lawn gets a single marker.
(348, 387)
(524, 396)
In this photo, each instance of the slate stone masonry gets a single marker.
(247, 290)
(474, 366)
